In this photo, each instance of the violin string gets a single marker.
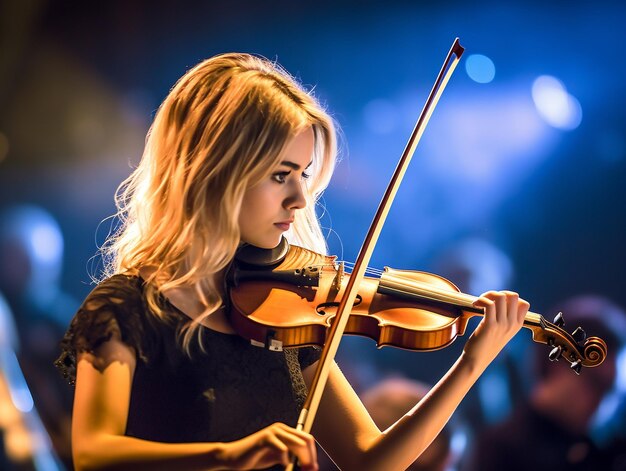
(350, 266)
(531, 316)
(444, 295)
(368, 270)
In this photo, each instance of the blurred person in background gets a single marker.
(31, 255)
(474, 263)
(551, 429)
(24, 443)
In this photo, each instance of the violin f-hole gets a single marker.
(320, 307)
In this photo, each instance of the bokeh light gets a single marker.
(480, 68)
(555, 105)
(47, 242)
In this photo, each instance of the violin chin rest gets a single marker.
(262, 258)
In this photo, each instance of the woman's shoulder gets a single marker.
(115, 308)
(119, 290)
(115, 303)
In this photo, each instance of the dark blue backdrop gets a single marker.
(495, 195)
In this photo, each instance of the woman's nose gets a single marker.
(296, 199)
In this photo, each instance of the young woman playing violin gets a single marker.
(238, 154)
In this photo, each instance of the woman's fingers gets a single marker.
(275, 444)
(501, 307)
(281, 448)
(504, 314)
(301, 444)
(505, 307)
(511, 301)
(523, 307)
(488, 302)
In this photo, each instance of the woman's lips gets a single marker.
(283, 226)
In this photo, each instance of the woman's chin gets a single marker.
(264, 243)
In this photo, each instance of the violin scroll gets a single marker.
(575, 348)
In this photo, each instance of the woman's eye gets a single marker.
(280, 177)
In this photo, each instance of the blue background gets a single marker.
(495, 195)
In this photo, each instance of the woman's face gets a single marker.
(269, 207)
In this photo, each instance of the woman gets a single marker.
(238, 154)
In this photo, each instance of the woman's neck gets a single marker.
(186, 300)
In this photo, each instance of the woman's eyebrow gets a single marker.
(294, 165)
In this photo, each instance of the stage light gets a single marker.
(480, 68)
(554, 104)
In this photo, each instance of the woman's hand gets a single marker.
(504, 317)
(272, 445)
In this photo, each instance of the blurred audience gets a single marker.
(24, 443)
(31, 253)
(551, 428)
(475, 265)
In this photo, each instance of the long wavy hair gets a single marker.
(221, 129)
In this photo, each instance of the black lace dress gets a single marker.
(225, 393)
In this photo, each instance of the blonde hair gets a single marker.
(220, 130)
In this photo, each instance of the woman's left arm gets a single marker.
(345, 430)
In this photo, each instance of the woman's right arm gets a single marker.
(102, 398)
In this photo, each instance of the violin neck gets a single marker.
(407, 285)
(397, 283)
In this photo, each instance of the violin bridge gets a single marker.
(338, 277)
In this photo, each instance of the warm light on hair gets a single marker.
(221, 130)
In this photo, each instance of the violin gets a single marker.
(406, 309)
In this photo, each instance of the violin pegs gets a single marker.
(559, 321)
(576, 366)
(555, 353)
(579, 335)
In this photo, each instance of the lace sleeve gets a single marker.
(113, 308)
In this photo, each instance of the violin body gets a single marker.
(301, 315)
